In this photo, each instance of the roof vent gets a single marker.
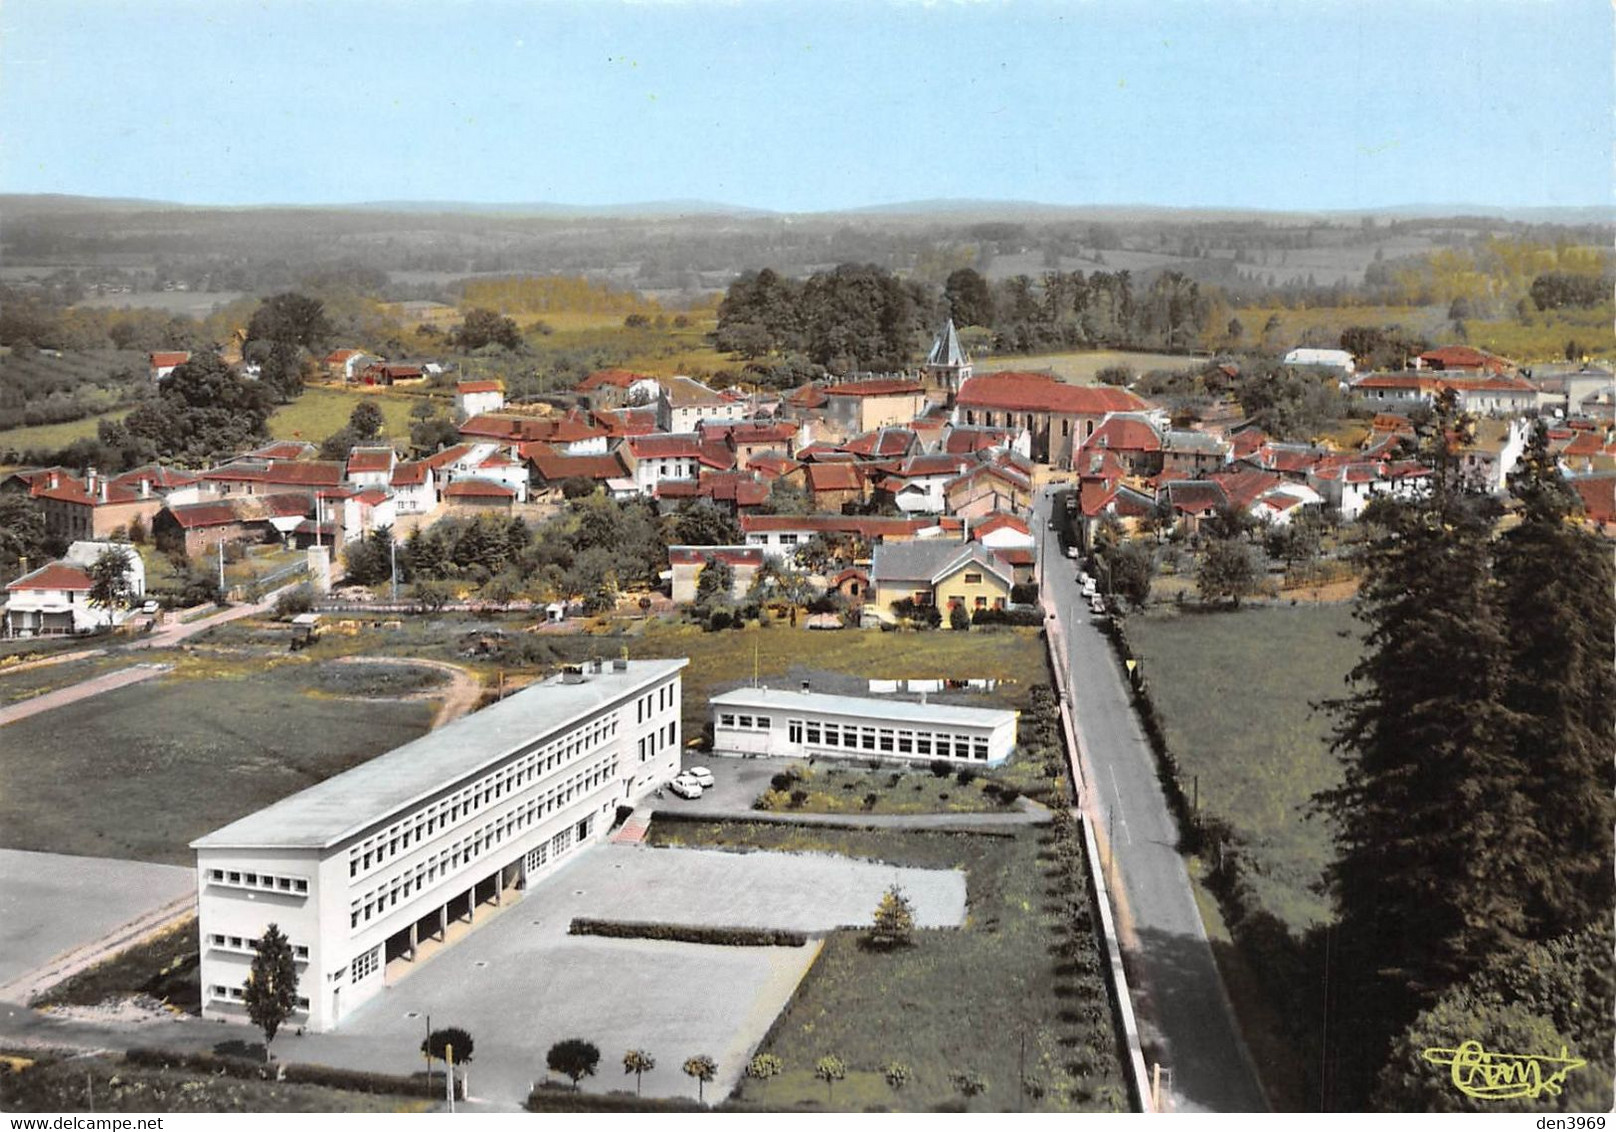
(620, 664)
(572, 674)
(806, 687)
(595, 665)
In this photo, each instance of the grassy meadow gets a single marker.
(1236, 691)
(137, 773)
(1079, 367)
(321, 410)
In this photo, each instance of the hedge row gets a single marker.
(1007, 617)
(353, 1080)
(551, 1099)
(687, 933)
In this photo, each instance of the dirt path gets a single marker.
(83, 690)
(464, 687)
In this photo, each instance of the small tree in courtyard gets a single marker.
(897, 1075)
(574, 1059)
(703, 1069)
(894, 920)
(271, 991)
(110, 587)
(449, 1040)
(830, 1069)
(637, 1062)
(958, 618)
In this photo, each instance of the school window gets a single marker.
(765, 722)
(833, 735)
(886, 739)
(869, 738)
(743, 721)
(906, 742)
(962, 749)
(726, 720)
(922, 744)
(794, 731)
(813, 733)
(980, 749)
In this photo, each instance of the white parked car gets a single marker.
(685, 787)
(149, 607)
(1089, 588)
(700, 775)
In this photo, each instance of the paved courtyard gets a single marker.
(520, 983)
(52, 904)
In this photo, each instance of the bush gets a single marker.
(295, 601)
(798, 797)
(966, 776)
(926, 616)
(353, 1080)
(941, 768)
(1024, 593)
(1004, 617)
(958, 618)
(687, 933)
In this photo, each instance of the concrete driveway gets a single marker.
(519, 984)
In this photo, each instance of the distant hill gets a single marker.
(14, 205)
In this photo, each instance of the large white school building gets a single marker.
(770, 721)
(400, 855)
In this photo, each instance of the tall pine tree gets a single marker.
(1435, 841)
(1558, 588)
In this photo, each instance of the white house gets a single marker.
(374, 870)
(415, 488)
(664, 456)
(475, 397)
(805, 724)
(685, 403)
(1348, 487)
(55, 599)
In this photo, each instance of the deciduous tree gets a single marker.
(573, 1058)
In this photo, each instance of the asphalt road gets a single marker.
(1186, 1021)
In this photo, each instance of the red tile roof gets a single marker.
(1464, 357)
(875, 387)
(162, 359)
(665, 446)
(835, 477)
(883, 443)
(1125, 432)
(866, 526)
(410, 474)
(1598, 495)
(962, 440)
(1196, 496)
(633, 421)
(479, 387)
(730, 555)
(999, 521)
(53, 576)
(553, 466)
(370, 460)
(478, 489)
(1037, 392)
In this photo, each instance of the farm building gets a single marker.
(769, 721)
(372, 871)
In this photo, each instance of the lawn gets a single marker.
(105, 1084)
(18, 686)
(163, 967)
(319, 411)
(987, 999)
(139, 772)
(53, 436)
(859, 789)
(1236, 690)
(1080, 367)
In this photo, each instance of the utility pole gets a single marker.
(392, 558)
(221, 570)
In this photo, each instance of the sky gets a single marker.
(801, 106)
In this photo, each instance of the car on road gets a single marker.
(1097, 605)
(1090, 590)
(701, 775)
(685, 787)
(149, 607)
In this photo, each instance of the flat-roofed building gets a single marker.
(772, 721)
(365, 870)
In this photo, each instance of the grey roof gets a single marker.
(390, 784)
(1188, 440)
(929, 559)
(946, 350)
(864, 707)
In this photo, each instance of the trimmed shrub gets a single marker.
(687, 933)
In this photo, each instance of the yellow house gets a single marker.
(940, 575)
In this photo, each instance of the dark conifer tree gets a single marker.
(1435, 840)
(1558, 588)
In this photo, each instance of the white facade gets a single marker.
(768, 721)
(475, 402)
(365, 871)
(1312, 356)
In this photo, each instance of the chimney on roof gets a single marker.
(572, 674)
(55, 480)
(595, 665)
(145, 488)
(89, 480)
(103, 490)
(806, 687)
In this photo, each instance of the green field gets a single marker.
(1080, 366)
(320, 411)
(959, 1000)
(53, 436)
(1235, 690)
(139, 772)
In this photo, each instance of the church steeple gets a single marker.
(947, 366)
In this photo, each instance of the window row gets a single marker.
(465, 804)
(888, 740)
(363, 909)
(239, 878)
(760, 722)
(652, 702)
(237, 943)
(659, 739)
(238, 994)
